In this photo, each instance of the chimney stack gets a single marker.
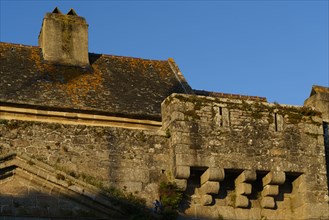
(64, 38)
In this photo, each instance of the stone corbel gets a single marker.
(271, 184)
(243, 188)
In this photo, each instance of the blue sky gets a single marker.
(275, 49)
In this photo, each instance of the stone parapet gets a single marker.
(257, 153)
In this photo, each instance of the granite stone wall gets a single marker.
(234, 158)
(247, 159)
(130, 160)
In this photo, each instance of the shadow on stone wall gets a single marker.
(30, 188)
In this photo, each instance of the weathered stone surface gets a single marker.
(241, 201)
(296, 202)
(274, 177)
(209, 187)
(312, 211)
(270, 190)
(206, 200)
(127, 166)
(250, 150)
(246, 176)
(182, 172)
(268, 202)
(243, 188)
(213, 174)
(319, 99)
(181, 184)
(39, 197)
(255, 140)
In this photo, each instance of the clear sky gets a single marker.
(271, 48)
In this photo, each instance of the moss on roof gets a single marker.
(111, 84)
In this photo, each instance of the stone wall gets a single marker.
(245, 159)
(319, 99)
(30, 188)
(235, 158)
(131, 160)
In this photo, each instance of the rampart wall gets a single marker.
(131, 160)
(234, 158)
(246, 159)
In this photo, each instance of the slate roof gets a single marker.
(114, 85)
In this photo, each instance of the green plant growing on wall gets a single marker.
(168, 134)
(3, 122)
(220, 217)
(170, 195)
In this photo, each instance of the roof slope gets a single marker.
(110, 85)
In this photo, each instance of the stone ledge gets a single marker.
(26, 114)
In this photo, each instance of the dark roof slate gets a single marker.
(112, 85)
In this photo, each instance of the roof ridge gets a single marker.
(17, 44)
(90, 53)
(128, 57)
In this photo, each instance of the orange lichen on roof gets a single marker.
(139, 65)
(171, 59)
(78, 85)
(36, 58)
(113, 84)
(69, 79)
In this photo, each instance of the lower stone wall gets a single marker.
(21, 197)
(130, 160)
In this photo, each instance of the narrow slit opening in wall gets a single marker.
(276, 121)
(229, 117)
(221, 116)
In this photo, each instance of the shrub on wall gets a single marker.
(170, 195)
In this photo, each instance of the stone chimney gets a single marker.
(64, 38)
